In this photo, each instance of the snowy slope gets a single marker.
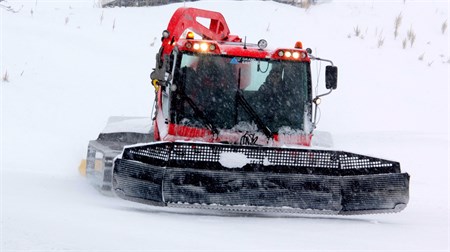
(71, 65)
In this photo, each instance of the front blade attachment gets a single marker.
(254, 178)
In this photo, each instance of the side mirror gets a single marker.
(331, 77)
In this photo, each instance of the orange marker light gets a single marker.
(299, 45)
(190, 35)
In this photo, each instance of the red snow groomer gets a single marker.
(231, 132)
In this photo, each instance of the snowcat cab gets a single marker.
(235, 97)
(231, 125)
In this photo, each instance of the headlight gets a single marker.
(204, 46)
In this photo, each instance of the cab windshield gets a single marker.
(277, 91)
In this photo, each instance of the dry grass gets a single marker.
(421, 56)
(357, 31)
(380, 41)
(306, 5)
(397, 23)
(411, 35)
(444, 27)
(5, 77)
(153, 43)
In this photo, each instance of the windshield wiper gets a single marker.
(199, 113)
(249, 109)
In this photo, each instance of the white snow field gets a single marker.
(67, 66)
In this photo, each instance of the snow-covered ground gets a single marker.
(70, 66)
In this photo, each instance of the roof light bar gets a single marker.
(200, 46)
(291, 54)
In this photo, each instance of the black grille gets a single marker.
(257, 158)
